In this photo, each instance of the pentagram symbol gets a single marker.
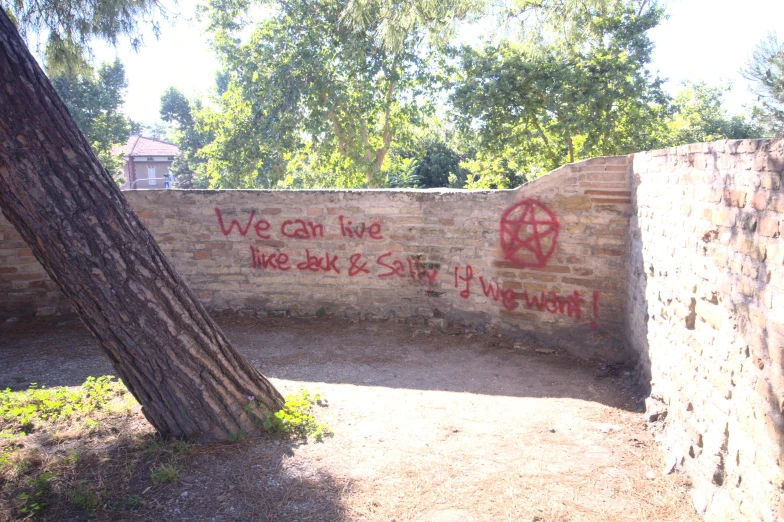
(528, 233)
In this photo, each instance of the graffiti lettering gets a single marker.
(234, 223)
(358, 231)
(298, 228)
(396, 268)
(356, 268)
(316, 263)
(555, 304)
(529, 230)
(269, 262)
(262, 226)
(469, 274)
(494, 290)
(301, 229)
(417, 273)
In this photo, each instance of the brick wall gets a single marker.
(25, 288)
(544, 260)
(705, 311)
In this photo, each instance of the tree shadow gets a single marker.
(368, 353)
(123, 471)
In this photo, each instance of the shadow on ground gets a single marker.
(114, 473)
(428, 425)
(60, 352)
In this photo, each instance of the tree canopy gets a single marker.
(95, 99)
(188, 168)
(573, 98)
(367, 93)
(67, 28)
(353, 93)
(766, 72)
(309, 98)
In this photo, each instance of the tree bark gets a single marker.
(164, 346)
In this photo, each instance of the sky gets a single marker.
(707, 40)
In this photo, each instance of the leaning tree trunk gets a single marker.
(168, 351)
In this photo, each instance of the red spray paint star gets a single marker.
(529, 231)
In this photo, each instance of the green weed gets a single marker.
(21, 412)
(85, 497)
(33, 502)
(295, 418)
(166, 473)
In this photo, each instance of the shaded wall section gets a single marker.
(544, 260)
(705, 312)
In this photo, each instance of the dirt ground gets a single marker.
(428, 425)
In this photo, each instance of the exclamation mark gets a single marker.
(595, 309)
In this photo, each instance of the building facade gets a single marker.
(147, 163)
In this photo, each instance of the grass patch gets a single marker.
(73, 453)
(166, 473)
(22, 412)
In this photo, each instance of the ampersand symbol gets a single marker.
(355, 267)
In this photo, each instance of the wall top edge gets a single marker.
(534, 183)
(720, 146)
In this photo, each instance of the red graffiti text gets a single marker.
(299, 229)
(359, 231)
(357, 265)
(411, 268)
(469, 275)
(316, 263)
(276, 261)
(495, 292)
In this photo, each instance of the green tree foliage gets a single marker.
(392, 22)
(433, 161)
(94, 99)
(67, 27)
(188, 168)
(573, 98)
(700, 116)
(309, 97)
(765, 70)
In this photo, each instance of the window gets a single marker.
(151, 176)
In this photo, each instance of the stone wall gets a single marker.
(705, 311)
(544, 260)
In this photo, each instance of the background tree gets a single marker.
(95, 100)
(67, 27)
(569, 99)
(316, 92)
(162, 343)
(188, 167)
(766, 71)
(699, 116)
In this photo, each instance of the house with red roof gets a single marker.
(147, 163)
